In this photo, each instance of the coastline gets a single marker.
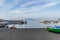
(28, 34)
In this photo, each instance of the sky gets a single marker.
(16, 9)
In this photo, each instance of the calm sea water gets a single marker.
(31, 24)
(36, 24)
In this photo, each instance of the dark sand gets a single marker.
(28, 34)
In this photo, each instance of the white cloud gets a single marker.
(50, 4)
(1, 2)
(6, 6)
(23, 11)
(35, 11)
(30, 3)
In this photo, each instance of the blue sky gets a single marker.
(16, 9)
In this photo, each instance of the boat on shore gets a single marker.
(55, 28)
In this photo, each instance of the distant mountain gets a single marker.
(30, 19)
(58, 19)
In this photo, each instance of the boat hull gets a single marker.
(53, 29)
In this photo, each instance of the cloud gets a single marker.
(1, 2)
(6, 5)
(51, 4)
(34, 11)
(18, 8)
(30, 3)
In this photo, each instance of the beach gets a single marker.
(28, 34)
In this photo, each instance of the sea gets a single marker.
(31, 24)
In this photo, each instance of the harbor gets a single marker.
(29, 19)
(8, 23)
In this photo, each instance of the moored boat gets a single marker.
(55, 28)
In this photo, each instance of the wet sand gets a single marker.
(28, 34)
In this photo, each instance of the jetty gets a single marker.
(5, 23)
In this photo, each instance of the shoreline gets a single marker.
(28, 34)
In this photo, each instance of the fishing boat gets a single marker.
(55, 28)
